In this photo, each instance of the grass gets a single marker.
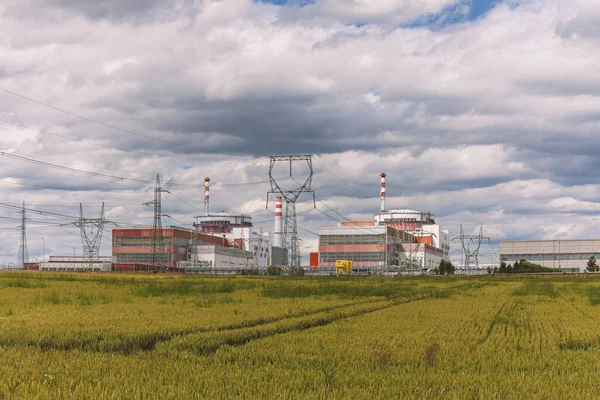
(126, 336)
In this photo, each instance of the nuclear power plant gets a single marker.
(394, 241)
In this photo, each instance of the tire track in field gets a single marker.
(492, 324)
(127, 343)
(206, 346)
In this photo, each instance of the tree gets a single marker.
(445, 268)
(502, 269)
(592, 265)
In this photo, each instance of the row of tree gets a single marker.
(445, 268)
(520, 267)
(526, 267)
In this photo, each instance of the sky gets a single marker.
(481, 112)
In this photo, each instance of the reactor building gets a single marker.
(395, 241)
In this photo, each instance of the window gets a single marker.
(351, 239)
(354, 256)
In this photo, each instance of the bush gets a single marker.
(274, 270)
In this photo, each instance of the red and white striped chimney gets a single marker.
(278, 229)
(206, 194)
(382, 192)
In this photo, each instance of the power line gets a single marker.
(69, 169)
(45, 132)
(41, 212)
(112, 126)
(68, 189)
(107, 176)
(185, 202)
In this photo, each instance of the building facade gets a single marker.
(213, 256)
(132, 247)
(76, 264)
(567, 255)
(420, 225)
(374, 249)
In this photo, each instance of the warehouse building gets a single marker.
(568, 255)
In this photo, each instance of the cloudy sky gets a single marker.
(480, 111)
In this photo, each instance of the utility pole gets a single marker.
(290, 196)
(23, 254)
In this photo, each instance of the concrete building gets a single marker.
(396, 241)
(568, 255)
(132, 247)
(420, 225)
(210, 255)
(75, 264)
(238, 230)
(374, 249)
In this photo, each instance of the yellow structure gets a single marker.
(343, 265)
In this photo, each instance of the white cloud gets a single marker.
(490, 121)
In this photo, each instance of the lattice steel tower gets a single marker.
(91, 235)
(290, 230)
(471, 245)
(23, 257)
(158, 242)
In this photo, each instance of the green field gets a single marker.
(122, 336)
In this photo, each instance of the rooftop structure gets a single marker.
(222, 222)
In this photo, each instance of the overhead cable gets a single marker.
(112, 126)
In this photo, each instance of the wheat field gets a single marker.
(124, 336)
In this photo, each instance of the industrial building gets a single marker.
(73, 264)
(567, 255)
(214, 259)
(132, 247)
(397, 241)
(374, 249)
(237, 229)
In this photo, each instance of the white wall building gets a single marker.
(257, 242)
(210, 255)
(440, 238)
(76, 264)
(568, 255)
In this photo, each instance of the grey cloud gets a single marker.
(140, 11)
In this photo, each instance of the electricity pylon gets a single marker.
(23, 257)
(158, 242)
(471, 245)
(91, 235)
(290, 230)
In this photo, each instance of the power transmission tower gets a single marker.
(91, 235)
(158, 242)
(23, 253)
(471, 245)
(290, 230)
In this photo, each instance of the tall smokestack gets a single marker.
(206, 194)
(382, 192)
(278, 229)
